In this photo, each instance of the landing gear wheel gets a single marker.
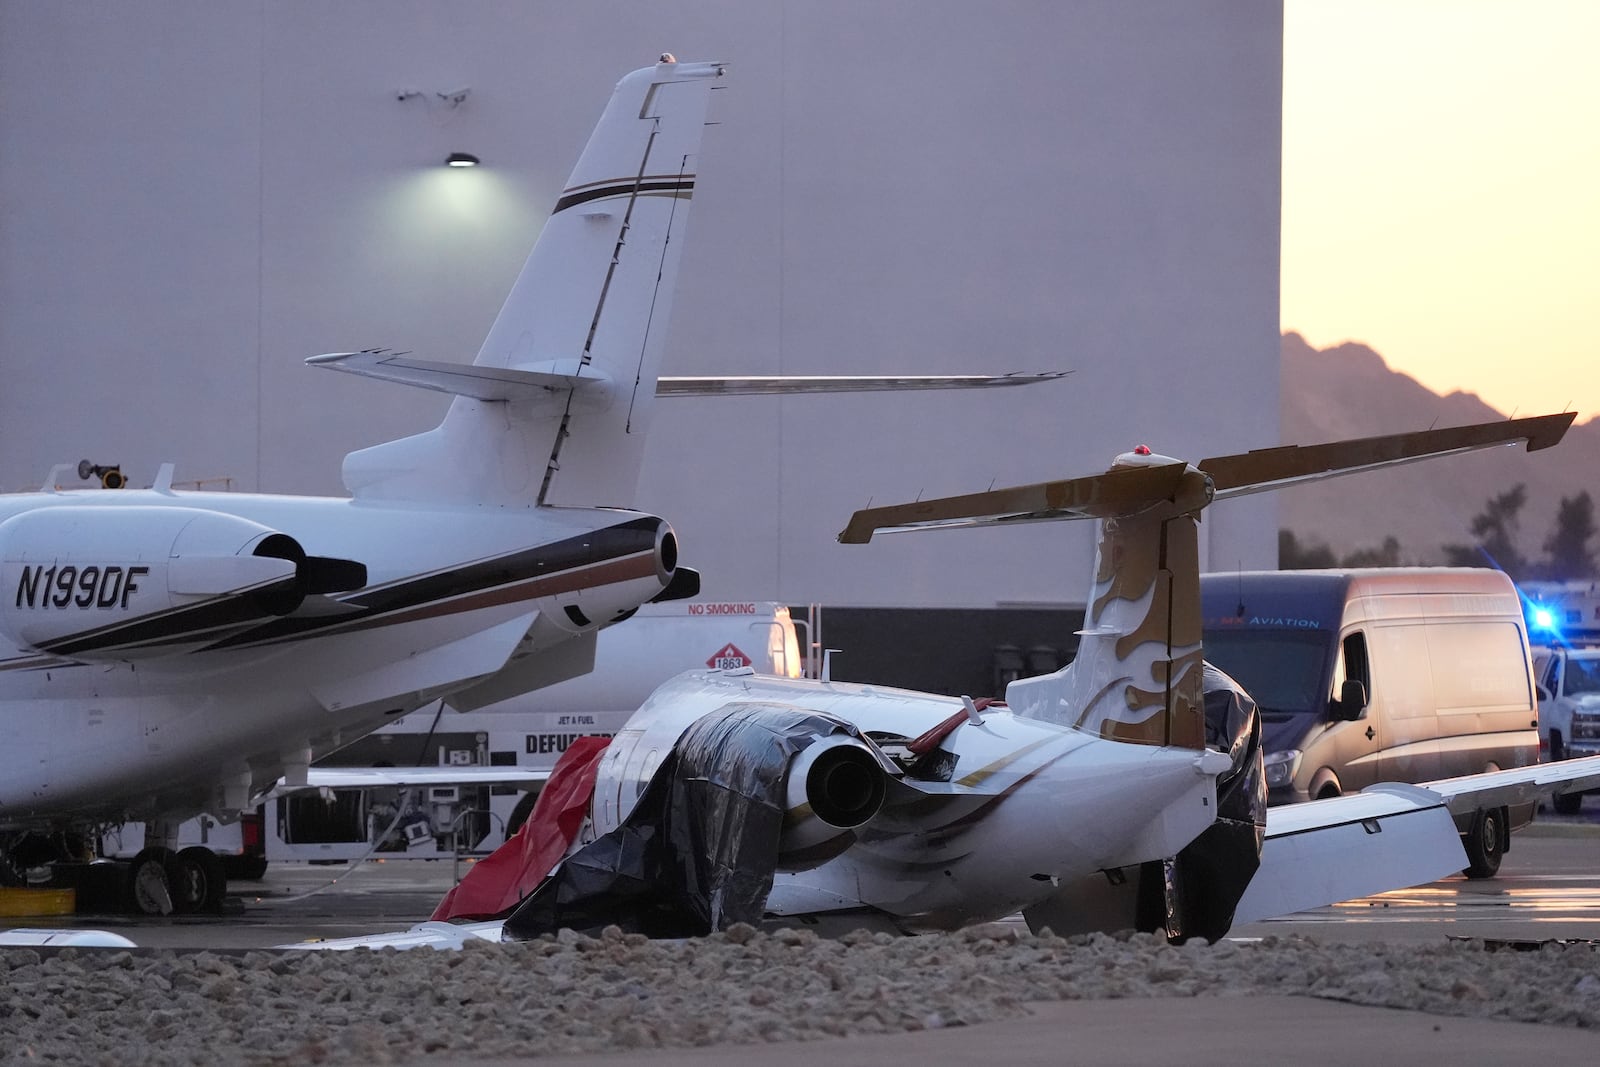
(1567, 803)
(1485, 843)
(196, 881)
(148, 892)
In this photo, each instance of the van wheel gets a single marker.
(1485, 843)
(1567, 803)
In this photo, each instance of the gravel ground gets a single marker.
(620, 992)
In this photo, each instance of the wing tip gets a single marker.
(858, 531)
(1547, 430)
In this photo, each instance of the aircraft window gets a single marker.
(1281, 669)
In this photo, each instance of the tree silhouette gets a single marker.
(1315, 555)
(1567, 552)
(1386, 555)
(1495, 528)
(1293, 556)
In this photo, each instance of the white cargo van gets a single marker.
(1382, 675)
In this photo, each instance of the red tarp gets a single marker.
(498, 882)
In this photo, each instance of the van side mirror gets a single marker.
(1544, 694)
(1352, 700)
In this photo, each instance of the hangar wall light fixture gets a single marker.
(462, 159)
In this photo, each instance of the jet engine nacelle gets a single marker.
(642, 566)
(121, 583)
(835, 786)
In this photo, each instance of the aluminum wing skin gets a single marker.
(791, 385)
(1137, 483)
(1099, 495)
(1389, 836)
(1275, 468)
(462, 379)
(536, 382)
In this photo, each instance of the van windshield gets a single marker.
(1583, 676)
(1283, 670)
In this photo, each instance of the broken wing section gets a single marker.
(1388, 837)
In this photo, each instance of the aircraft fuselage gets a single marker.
(125, 693)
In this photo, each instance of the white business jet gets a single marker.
(1125, 790)
(166, 653)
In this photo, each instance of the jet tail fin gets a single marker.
(555, 407)
(1137, 676)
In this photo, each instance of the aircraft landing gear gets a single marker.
(196, 880)
(147, 890)
(162, 882)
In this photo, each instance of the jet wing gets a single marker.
(1389, 836)
(1517, 786)
(410, 777)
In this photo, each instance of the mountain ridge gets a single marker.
(1348, 390)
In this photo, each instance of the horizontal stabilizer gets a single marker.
(1095, 496)
(526, 383)
(1274, 468)
(1141, 480)
(460, 379)
(786, 385)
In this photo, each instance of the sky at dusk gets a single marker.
(1441, 191)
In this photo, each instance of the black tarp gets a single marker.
(697, 852)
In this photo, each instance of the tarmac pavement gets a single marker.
(1193, 1032)
(1548, 888)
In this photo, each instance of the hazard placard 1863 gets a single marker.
(728, 658)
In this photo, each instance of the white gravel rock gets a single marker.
(618, 992)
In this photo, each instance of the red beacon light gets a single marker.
(1142, 450)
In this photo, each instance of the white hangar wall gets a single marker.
(195, 197)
